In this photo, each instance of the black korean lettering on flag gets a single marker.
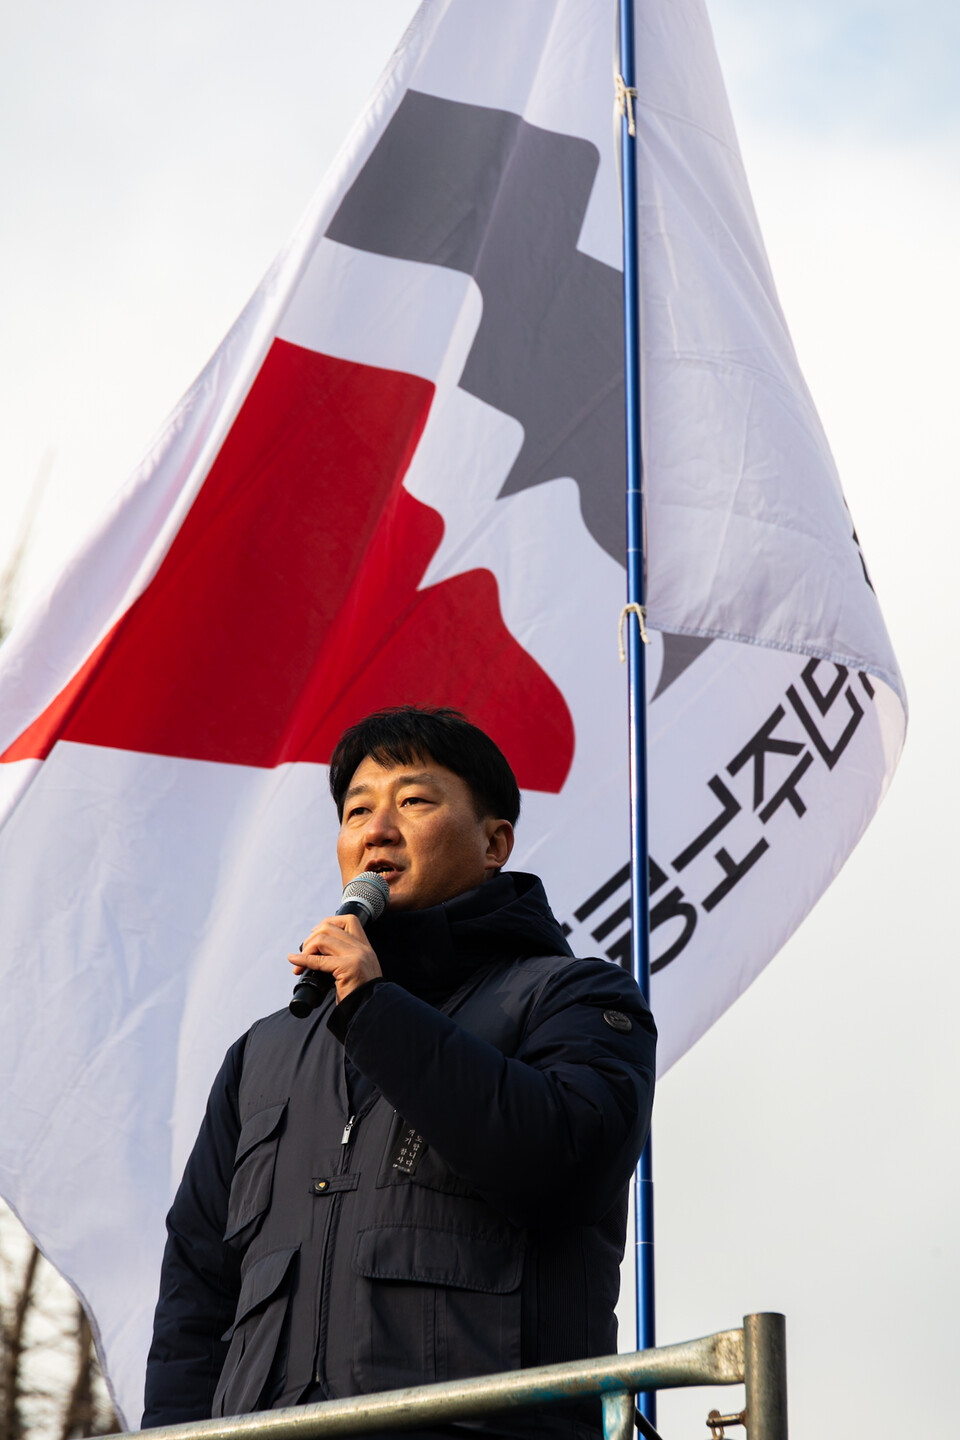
(829, 713)
(829, 749)
(766, 743)
(615, 893)
(671, 907)
(729, 807)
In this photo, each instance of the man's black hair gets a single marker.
(408, 733)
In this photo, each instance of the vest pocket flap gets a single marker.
(257, 1128)
(252, 1184)
(489, 1263)
(261, 1283)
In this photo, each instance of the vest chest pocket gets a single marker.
(408, 1159)
(435, 1304)
(252, 1184)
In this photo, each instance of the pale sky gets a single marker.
(154, 160)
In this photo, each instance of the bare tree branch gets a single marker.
(51, 1386)
(11, 1417)
(78, 1412)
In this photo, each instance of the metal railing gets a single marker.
(754, 1356)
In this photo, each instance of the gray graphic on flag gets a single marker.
(483, 192)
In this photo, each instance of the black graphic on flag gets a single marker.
(679, 653)
(483, 192)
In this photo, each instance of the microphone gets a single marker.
(366, 897)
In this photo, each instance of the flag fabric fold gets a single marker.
(400, 480)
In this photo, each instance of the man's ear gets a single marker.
(499, 843)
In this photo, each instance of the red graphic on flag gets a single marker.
(287, 605)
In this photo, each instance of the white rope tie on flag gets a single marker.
(626, 94)
(641, 613)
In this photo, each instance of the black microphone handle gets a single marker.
(313, 986)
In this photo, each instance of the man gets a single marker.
(427, 1179)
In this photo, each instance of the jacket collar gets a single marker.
(432, 952)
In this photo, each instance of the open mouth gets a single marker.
(382, 867)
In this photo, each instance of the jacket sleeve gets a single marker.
(558, 1126)
(199, 1278)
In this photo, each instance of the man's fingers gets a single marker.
(313, 959)
(329, 931)
(301, 962)
(335, 939)
(339, 946)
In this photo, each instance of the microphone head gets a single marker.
(371, 890)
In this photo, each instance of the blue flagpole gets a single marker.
(639, 874)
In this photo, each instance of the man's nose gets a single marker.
(381, 827)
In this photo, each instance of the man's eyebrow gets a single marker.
(421, 778)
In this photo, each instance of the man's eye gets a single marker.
(356, 810)
(414, 800)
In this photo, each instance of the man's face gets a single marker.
(417, 825)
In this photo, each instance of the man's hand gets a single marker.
(339, 946)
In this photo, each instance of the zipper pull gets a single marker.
(345, 1137)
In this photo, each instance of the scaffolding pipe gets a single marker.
(765, 1376)
(754, 1355)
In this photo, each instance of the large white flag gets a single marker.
(401, 479)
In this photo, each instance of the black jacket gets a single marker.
(469, 1219)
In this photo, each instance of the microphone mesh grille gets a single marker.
(371, 889)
